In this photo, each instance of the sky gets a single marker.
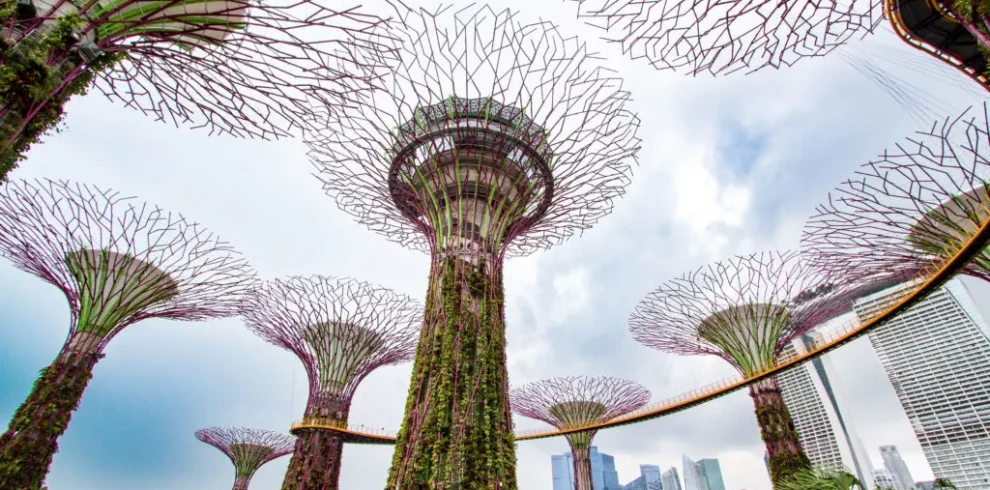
(729, 165)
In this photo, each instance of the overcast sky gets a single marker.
(729, 166)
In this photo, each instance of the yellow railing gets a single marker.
(342, 426)
(932, 276)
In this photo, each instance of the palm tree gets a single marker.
(822, 479)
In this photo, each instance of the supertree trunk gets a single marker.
(31, 440)
(458, 428)
(784, 450)
(581, 452)
(40, 77)
(315, 463)
(241, 483)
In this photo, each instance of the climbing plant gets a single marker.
(38, 75)
(463, 425)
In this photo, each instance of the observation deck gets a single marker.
(926, 25)
(933, 276)
(355, 434)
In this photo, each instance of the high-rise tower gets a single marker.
(694, 479)
(712, 472)
(895, 465)
(937, 357)
(671, 481)
(826, 435)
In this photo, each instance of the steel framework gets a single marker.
(341, 330)
(248, 449)
(919, 202)
(729, 35)
(118, 261)
(579, 401)
(247, 68)
(492, 138)
(745, 310)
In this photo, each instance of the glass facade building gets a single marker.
(603, 474)
(826, 435)
(712, 473)
(937, 357)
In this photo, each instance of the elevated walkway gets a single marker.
(925, 25)
(927, 281)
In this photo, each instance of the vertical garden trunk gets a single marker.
(31, 440)
(315, 463)
(241, 483)
(38, 75)
(784, 450)
(582, 467)
(457, 433)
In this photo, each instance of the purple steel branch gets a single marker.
(669, 318)
(43, 222)
(315, 318)
(617, 396)
(248, 449)
(255, 80)
(556, 87)
(910, 207)
(729, 35)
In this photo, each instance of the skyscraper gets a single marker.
(610, 477)
(694, 479)
(712, 473)
(883, 479)
(671, 480)
(651, 476)
(937, 357)
(649, 479)
(603, 474)
(827, 437)
(895, 465)
(562, 468)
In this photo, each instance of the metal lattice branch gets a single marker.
(118, 260)
(341, 329)
(541, 130)
(248, 449)
(240, 67)
(578, 401)
(918, 203)
(744, 310)
(726, 36)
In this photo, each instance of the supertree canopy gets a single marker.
(726, 36)
(243, 67)
(918, 203)
(492, 138)
(745, 310)
(248, 449)
(579, 401)
(341, 330)
(118, 261)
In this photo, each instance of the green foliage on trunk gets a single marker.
(821, 479)
(31, 71)
(315, 463)
(457, 433)
(785, 454)
(31, 440)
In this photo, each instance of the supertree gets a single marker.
(341, 330)
(730, 35)
(493, 138)
(241, 67)
(918, 203)
(118, 261)
(248, 449)
(733, 35)
(579, 401)
(746, 310)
